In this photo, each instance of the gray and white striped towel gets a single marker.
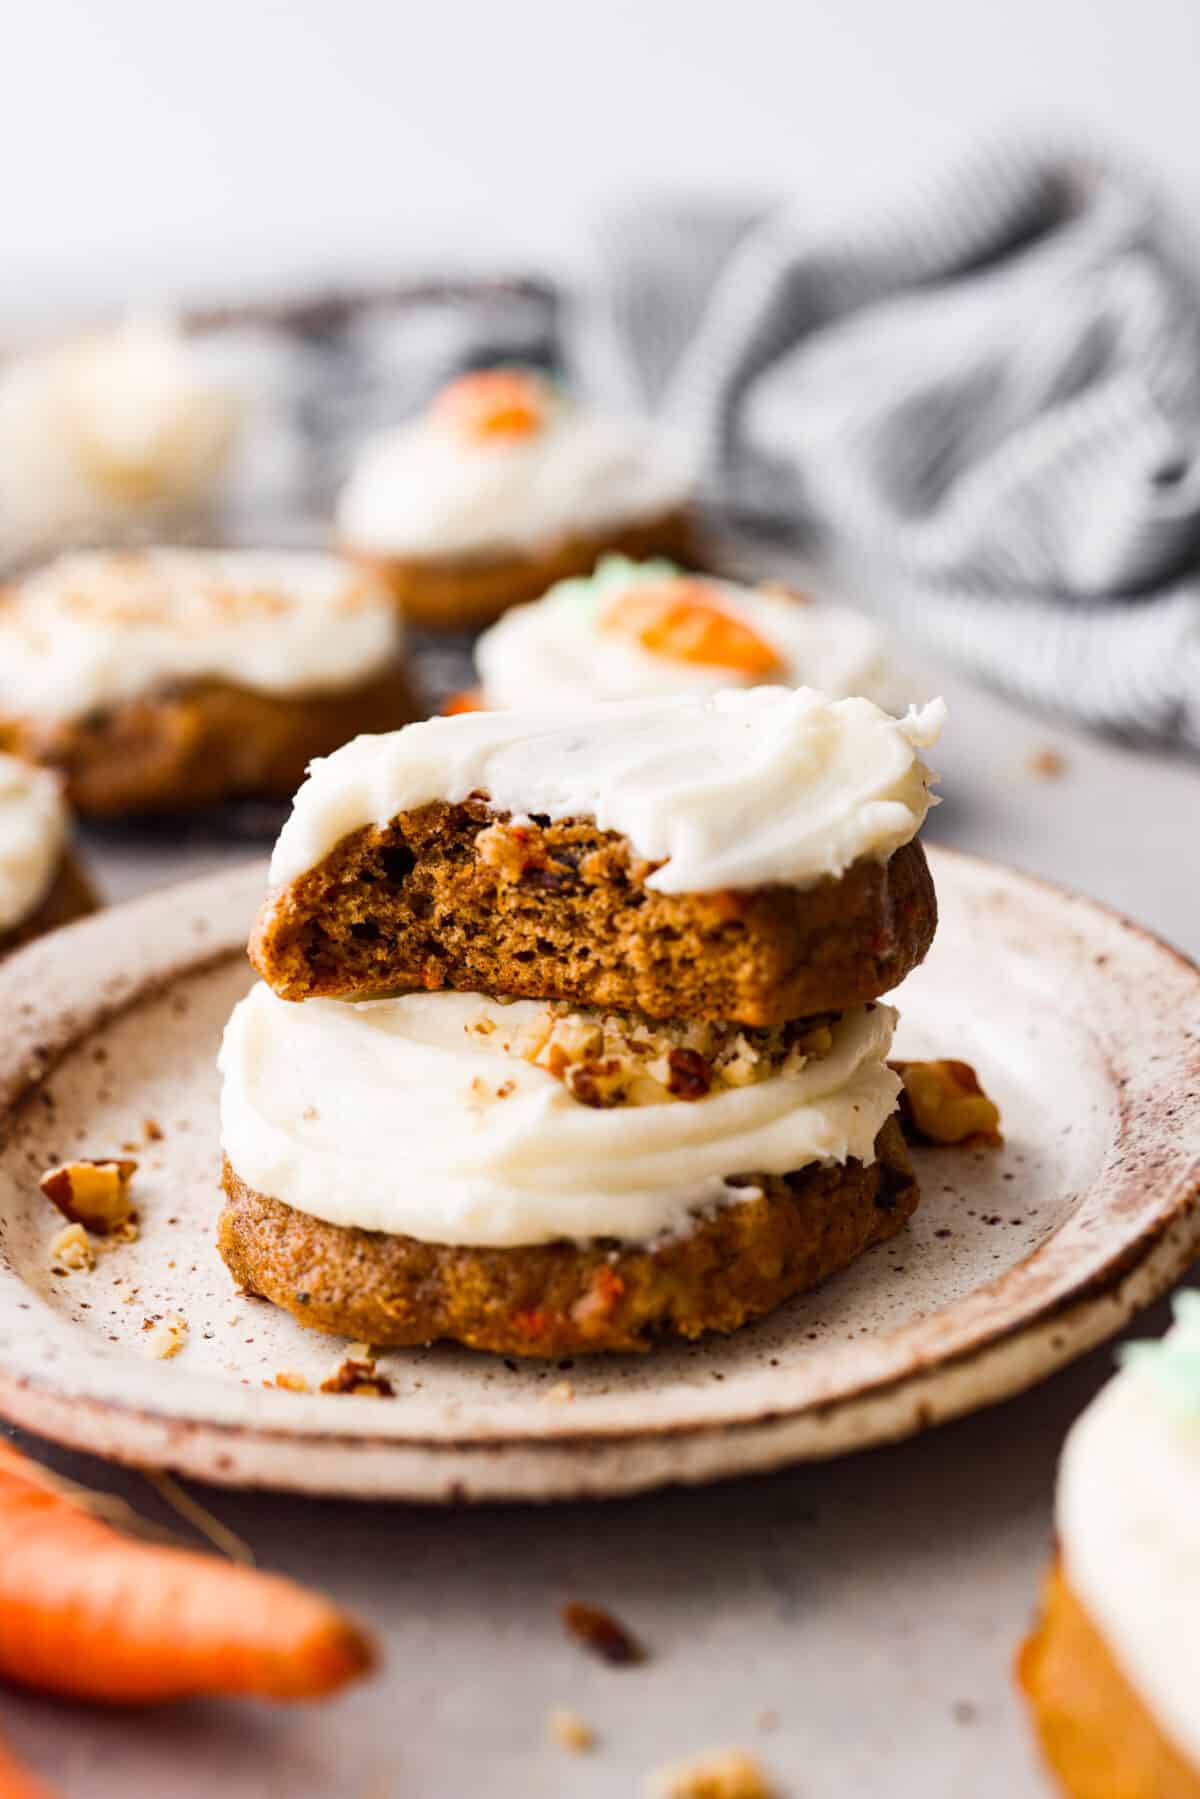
(986, 403)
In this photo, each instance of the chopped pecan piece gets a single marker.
(94, 1194)
(943, 1103)
(691, 1076)
(360, 1377)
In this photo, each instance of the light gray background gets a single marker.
(150, 147)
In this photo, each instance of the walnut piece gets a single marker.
(94, 1194)
(722, 1774)
(569, 1731)
(71, 1250)
(944, 1103)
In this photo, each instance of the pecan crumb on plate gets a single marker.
(359, 1375)
(602, 1634)
(71, 1250)
(168, 1337)
(290, 1383)
(92, 1193)
(722, 1774)
(569, 1731)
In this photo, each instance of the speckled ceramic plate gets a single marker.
(1085, 1028)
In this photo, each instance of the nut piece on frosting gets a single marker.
(943, 1103)
(92, 1194)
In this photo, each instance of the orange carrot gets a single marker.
(468, 699)
(683, 618)
(492, 403)
(16, 1782)
(90, 1613)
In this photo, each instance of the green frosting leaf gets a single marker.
(587, 593)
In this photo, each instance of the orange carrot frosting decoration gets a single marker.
(467, 699)
(492, 403)
(92, 1614)
(684, 618)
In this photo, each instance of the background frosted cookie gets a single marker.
(1112, 1671)
(164, 679)
(533, 1181)
(41, 885)
(503, 488)
(636, 630)
(747, 856)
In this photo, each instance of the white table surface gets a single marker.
(853, 1623)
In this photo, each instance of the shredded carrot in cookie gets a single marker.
(684, 619)
(492, 403)
(88, 1612)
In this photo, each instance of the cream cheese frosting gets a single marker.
(557, 650)
(741, 788)
(422, 490)
(92, 629)
(107, 429)
(433, 1129)
(1128, 1518)
(33, 832)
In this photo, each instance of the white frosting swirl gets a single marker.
(93, 629)
(556, 652)
(739, 789)
(107, 429)
(423, 489)
(1128, 1511)
(33, 831)
(431, 1130)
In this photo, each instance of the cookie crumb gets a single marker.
(721, 1774)
(603, 1635)
(561, 1393)
(569, 1731)
(167, 1338)
(71, 1250)
(153, 1130)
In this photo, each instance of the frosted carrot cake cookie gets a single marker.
(640, 630)
(748, 856)
(501, 489)
(41, 884)
(1112, 1671)
(597, 1106)
(159, 680)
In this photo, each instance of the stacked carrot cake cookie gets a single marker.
(503, 487)
(159, 680)
(1112, 1672)
(615, 1067)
